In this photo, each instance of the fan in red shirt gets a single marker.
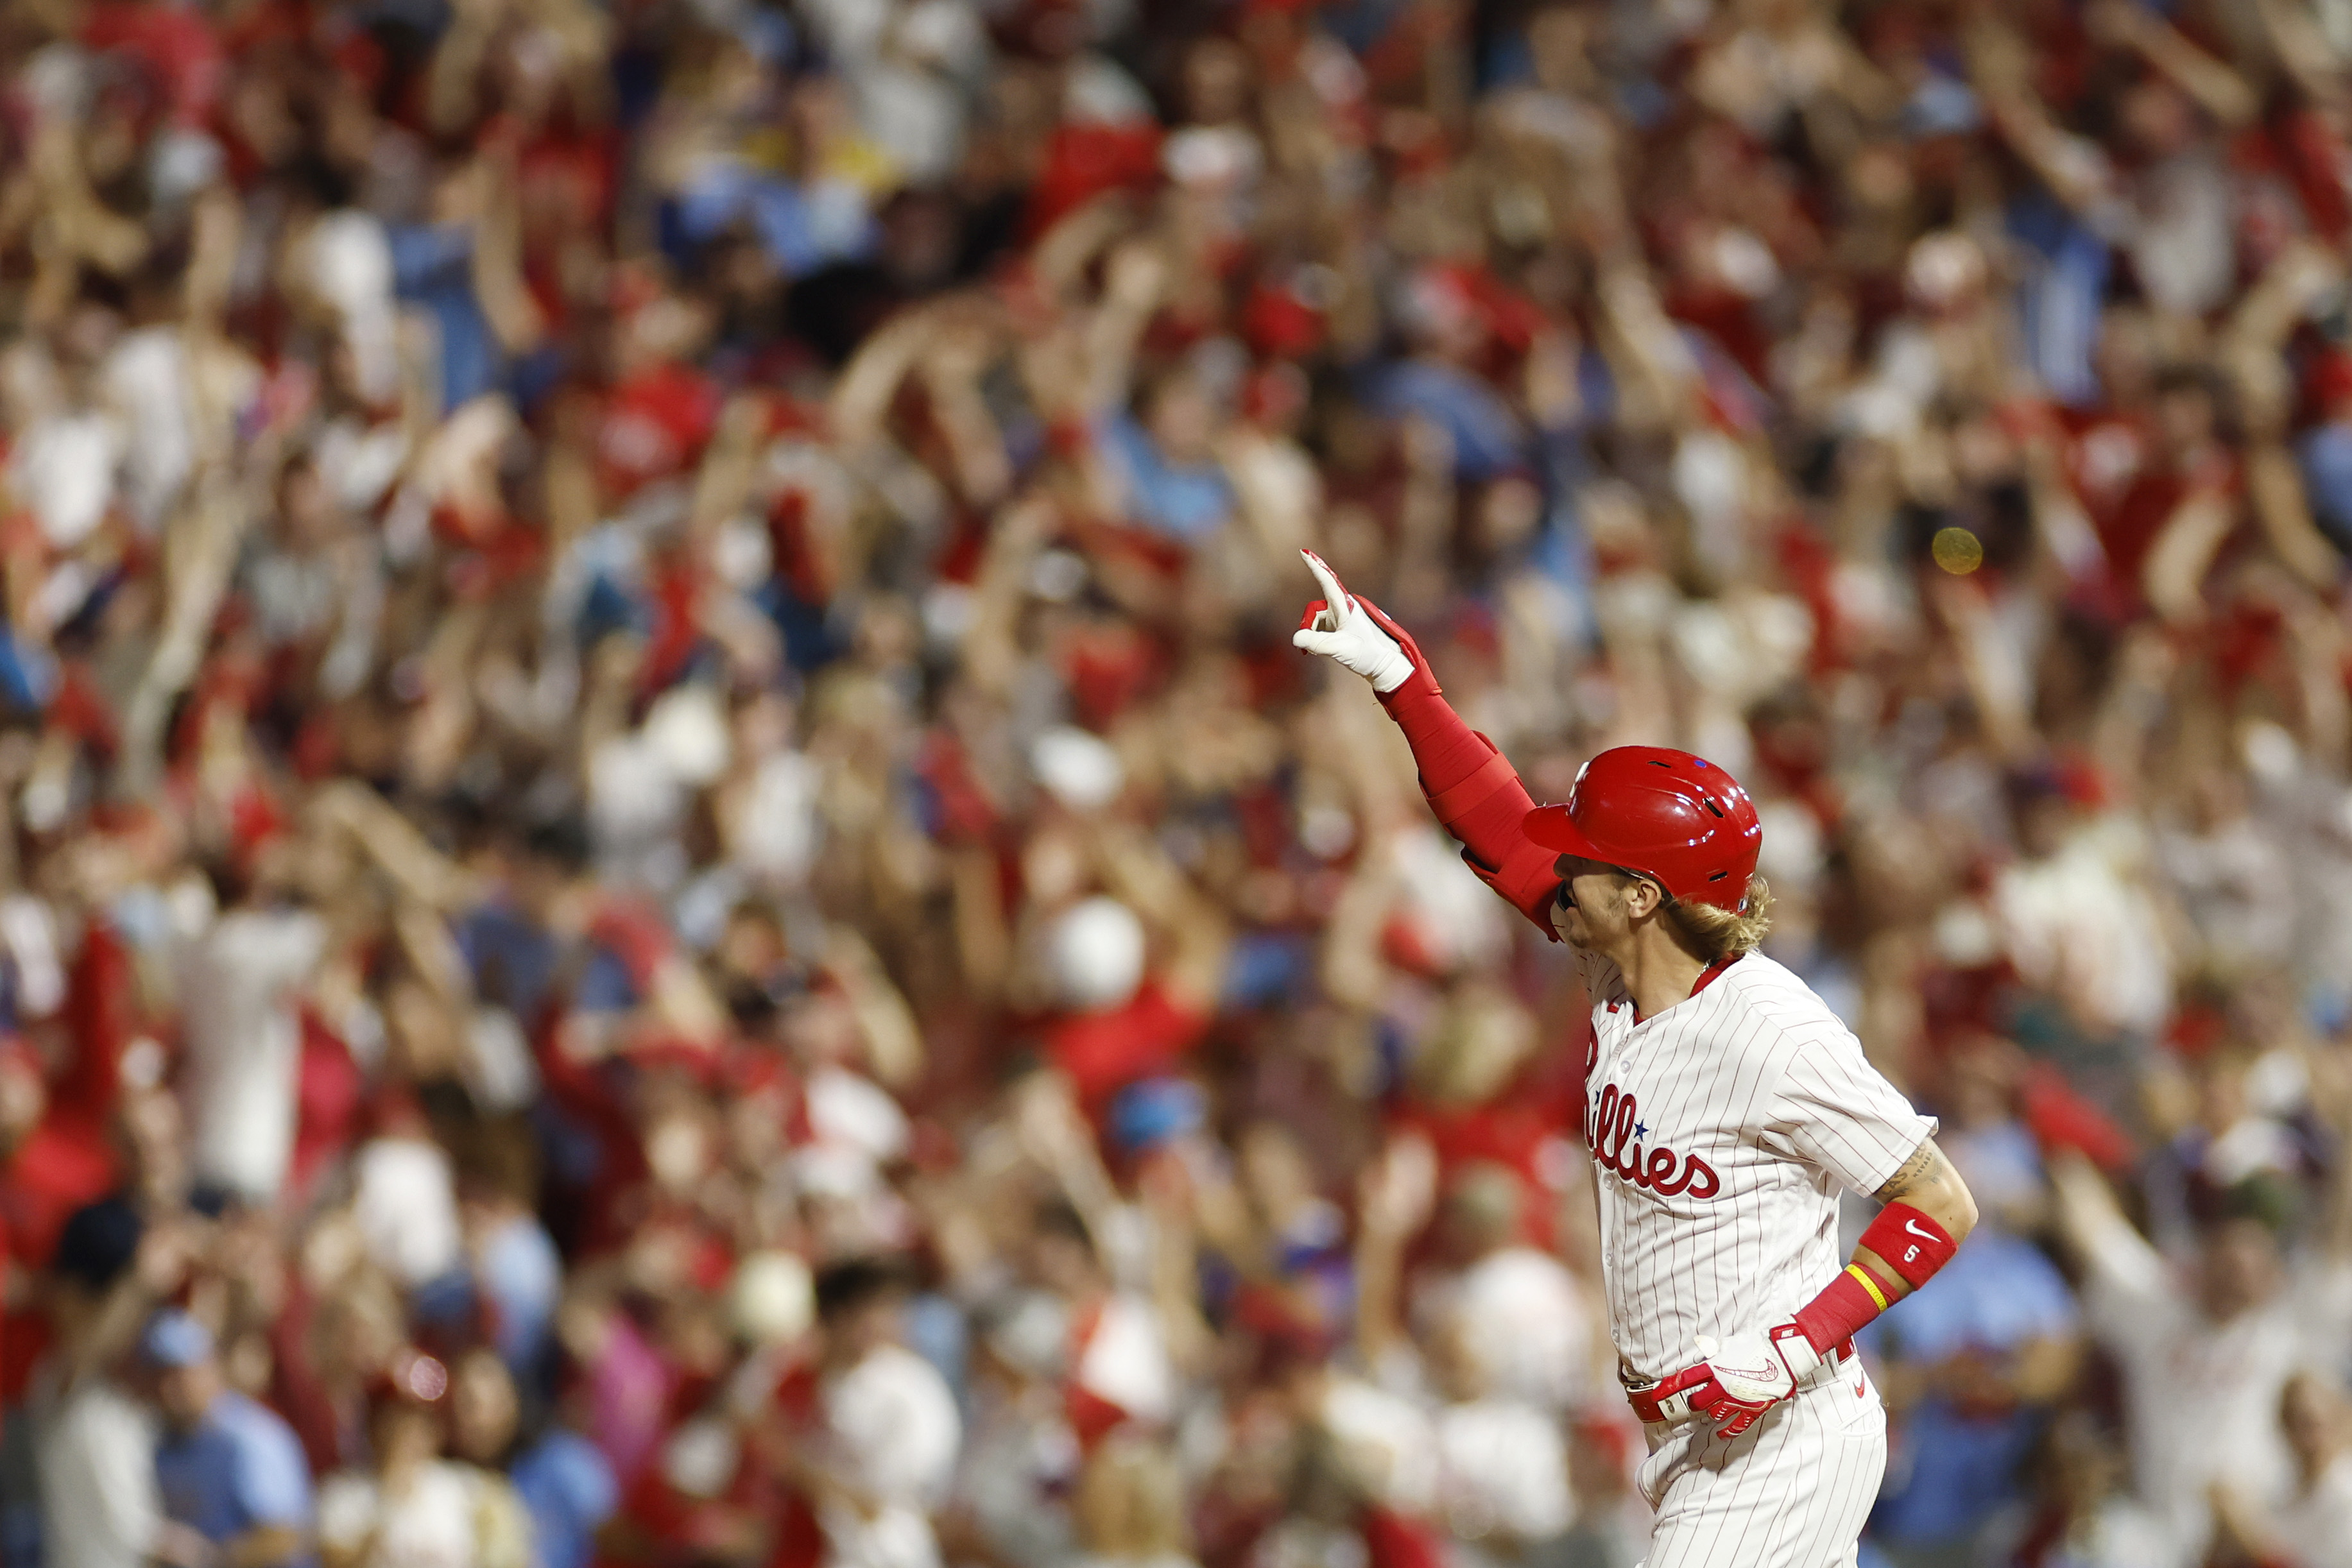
(2170, 523)
(1119, 1018)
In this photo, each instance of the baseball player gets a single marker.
(1723, 1104)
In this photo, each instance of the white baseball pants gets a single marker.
(1792, 1492)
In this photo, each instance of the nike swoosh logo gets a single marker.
(1913, 1227)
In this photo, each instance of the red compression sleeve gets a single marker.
(1844, 1305)
(1472, 788)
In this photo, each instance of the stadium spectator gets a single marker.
(230, 1468)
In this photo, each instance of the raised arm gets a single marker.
(1470, 785)
(2125, 1279)
(2074, 168)
(1199, 935)
(2253, 350)
(1393, 1199)
(2217, 88)
(2301, 49)
(2173, 578)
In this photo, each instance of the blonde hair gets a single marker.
(1712, 932)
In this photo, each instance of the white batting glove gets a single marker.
(1739, 1379)
(1338, 627)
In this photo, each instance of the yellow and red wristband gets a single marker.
(1910, 1243)
(1869, 1282)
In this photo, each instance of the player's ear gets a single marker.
(1643, 896)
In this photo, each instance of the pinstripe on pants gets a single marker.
(1791, 1492)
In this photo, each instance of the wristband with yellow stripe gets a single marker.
(1862, 1275)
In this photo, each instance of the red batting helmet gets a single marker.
(1677, 818)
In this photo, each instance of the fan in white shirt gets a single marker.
(244, 1041)
(1533, 1322)
(415, 1509)
(2205, 1367)
(1499, 1479)
(2311, 1525)
(885, 1455)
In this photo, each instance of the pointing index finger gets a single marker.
(1334, 592)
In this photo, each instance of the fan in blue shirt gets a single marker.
(1976, 1351)
(231, 1470)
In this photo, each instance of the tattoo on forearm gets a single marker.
(1915, 1170)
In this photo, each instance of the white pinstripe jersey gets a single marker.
(1721, 1130)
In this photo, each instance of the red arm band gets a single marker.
(1913, 1246)
(1472, 788)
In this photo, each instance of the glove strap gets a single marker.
(1423, 679)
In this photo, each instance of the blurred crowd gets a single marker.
(670, 898)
